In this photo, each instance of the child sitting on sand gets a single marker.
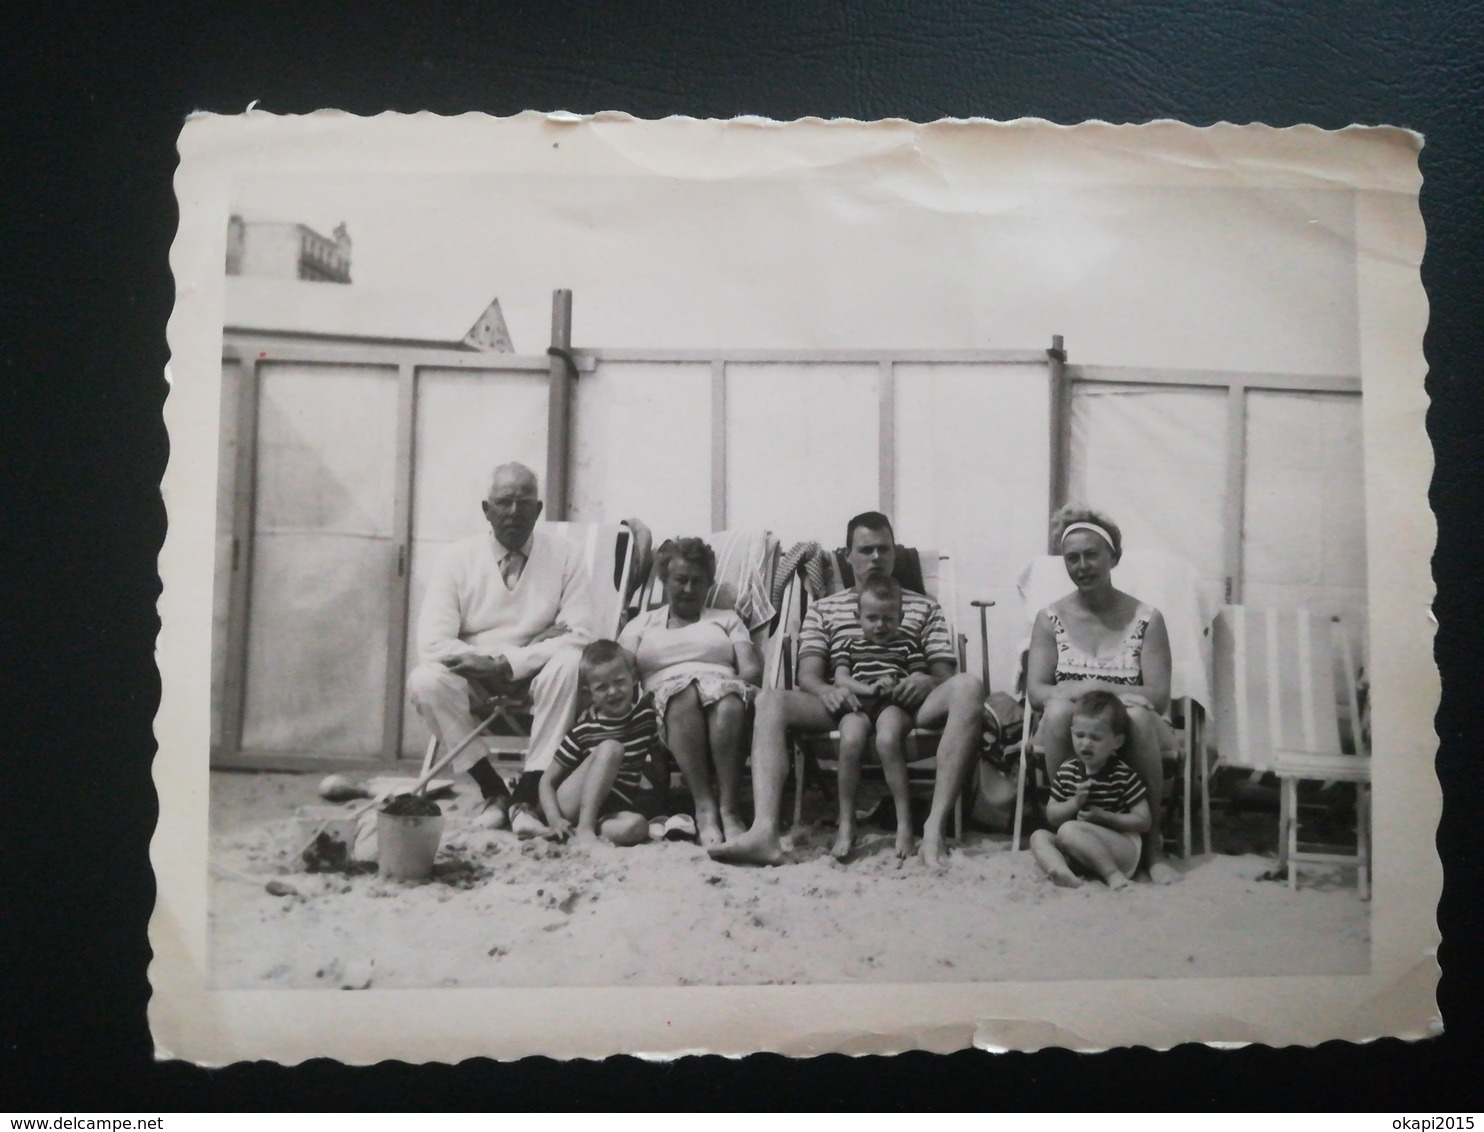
(595, 779)
(1098, 807)
(870, 667)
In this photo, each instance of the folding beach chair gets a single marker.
(1171, 586)
(747, 561)
(1288, 701)
(816, 756)
(608, 551)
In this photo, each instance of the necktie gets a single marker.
(510, 568)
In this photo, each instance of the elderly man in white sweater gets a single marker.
(504, 610)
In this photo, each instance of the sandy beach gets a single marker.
(502, 912)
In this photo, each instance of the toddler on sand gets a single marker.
(595, 780)
(1098, 807)
(870, 668)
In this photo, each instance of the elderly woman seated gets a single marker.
(1099, 637)
(700, 666)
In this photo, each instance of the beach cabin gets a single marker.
(358, 428)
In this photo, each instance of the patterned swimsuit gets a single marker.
(1122, 666)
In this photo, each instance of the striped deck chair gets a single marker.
(1287, 701)
(746, 562)
(608, 551)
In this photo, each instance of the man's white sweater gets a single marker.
(468, 609)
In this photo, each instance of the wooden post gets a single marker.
(239, 601)
(1061, 426)
(718, 444)
(886, 453)
(399, 587)
(1234, 512)
(558, 409)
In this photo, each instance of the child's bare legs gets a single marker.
(1142, 753)
(892, 726)
(1053, 864)
(688, 736)
(855, 733)
(582, 793)
(1105, 852)
(624, 828)
(724, 724)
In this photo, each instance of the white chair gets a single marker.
(1282, 677)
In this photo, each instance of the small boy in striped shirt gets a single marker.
(1098, 809)
(595, 780)
(870, 667)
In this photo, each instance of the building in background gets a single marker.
(281, 250)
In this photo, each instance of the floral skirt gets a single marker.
(711, 686)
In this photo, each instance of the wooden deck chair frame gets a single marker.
(602, 557)
(1322, 758)
(804, 747)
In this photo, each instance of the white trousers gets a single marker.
(442, 699)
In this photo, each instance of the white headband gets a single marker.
(1093, 527)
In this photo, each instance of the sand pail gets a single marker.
(406, 846)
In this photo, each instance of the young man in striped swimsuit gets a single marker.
(869, 668)
(1099, 807)
(593, 786)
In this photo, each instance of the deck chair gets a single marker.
(817, 755)
(746, 564)
(608, 551)
(1287, 701)
(1170, 585)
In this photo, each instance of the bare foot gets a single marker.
(709, 833)
(1117, 881)
(708, 826)
(904, 842)
(1053, 864)
(732, 824)
(1162, 872)
(752, 848)
(933, 855)
(844, 844)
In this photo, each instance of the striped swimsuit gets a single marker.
(637, 730)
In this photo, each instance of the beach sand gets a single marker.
(501, 912)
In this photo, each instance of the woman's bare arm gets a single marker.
(748, 664)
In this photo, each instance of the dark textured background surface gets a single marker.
(93, 102)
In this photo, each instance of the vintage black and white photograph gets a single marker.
(981, 559)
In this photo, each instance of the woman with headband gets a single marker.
(1100, 637)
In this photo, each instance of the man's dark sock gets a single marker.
(528, 790)
(491, 785)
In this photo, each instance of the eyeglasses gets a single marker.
(509, 506)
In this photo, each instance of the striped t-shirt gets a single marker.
(872, 663)
(637, 730)
(1116, 788)
(834, 620)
